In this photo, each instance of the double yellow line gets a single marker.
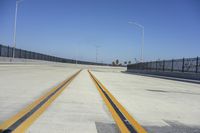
(125, 122)
(22, 120)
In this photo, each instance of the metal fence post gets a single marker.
(141, 67)
(163, 65)
(25, 56)
(34, 55)
(150, 66)
(197, 64)
(0, 49)
(156, 65)
(147, 67)
(31, 55)
(12, 52)
(16, 53)
(8, 52)
(183, 65)
(20, 53)
(172, 69)
(28, 54)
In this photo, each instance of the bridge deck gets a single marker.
(159, 105)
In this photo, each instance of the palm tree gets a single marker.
(113, 63)
(117, 62)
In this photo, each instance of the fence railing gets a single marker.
(191, 65)
(6, 51)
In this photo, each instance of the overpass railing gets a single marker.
(6, 51)
(191, 65)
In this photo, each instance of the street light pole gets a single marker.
(142, 47)
(142, 44)
(97, 52)
(77, 54)
(15, 26)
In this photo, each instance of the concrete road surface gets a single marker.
(159, 105)
(79, 109)
(20, 85)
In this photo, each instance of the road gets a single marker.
(158, 105)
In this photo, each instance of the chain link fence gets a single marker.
(6, 51)
(191, 65)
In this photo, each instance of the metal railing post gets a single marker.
(0, 49)
(150, 66)
(25, 54)
(20, 53)
(29, 55)
(34, 55)
(183, 65)
(172, 69)
(12, 54)
(156, 65)
(197, 64)
(163, 65)
(8, 52)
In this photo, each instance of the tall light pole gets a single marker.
(142, 44)
(96, 46)
(15, 26)
(77, 54)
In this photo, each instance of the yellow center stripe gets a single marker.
(117, 119)
(23, 126)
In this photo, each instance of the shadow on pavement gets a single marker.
(174, 127)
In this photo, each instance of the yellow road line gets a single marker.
(123, 128)
(52, 94)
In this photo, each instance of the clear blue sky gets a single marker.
(71, 28)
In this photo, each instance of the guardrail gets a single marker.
(190, 65)
(6, 51)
